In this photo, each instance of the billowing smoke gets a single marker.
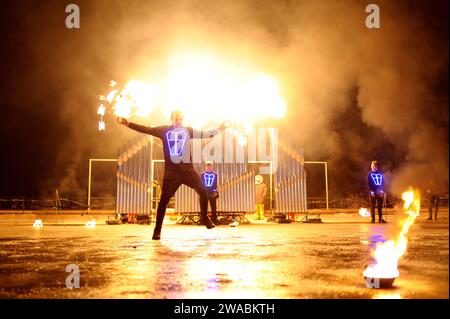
(354, 94)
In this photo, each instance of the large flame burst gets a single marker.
(388, 253)
(208, 90)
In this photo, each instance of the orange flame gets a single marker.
(197, 82)
(135, 98)
(388, 253)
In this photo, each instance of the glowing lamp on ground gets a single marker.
(91, 224)
(363, 212)
(38, 223)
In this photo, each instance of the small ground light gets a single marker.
(364, 212)
(38, 223)
(91, 224)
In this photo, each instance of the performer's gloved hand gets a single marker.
(122, 120)
(372, 193)
(381, 192)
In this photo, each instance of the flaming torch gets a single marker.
(383, 273)
(101, 112)
(135, 98)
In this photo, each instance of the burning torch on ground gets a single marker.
(384, 272)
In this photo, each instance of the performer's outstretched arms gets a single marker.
(155, 131)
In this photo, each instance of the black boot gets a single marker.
(208, 223)
(214, 219)
(157, 234)
(373, 218)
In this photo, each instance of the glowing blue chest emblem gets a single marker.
(209, 179)
(176, 140)
(377, 179)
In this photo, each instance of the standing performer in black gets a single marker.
(375, 180)
(433, 200)
(178, 168)
(209, 179)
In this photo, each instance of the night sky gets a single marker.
(356, 94)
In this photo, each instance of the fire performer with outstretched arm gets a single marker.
(178, 168)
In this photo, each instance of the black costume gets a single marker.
(375, 180)
(210, 182)
(433, 205)
(178, 168)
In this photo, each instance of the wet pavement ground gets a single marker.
(258, 260)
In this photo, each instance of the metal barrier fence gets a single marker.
(48, 203)
(236, 185)
(134, 177)
(290, 180)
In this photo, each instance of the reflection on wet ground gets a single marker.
(249, 261)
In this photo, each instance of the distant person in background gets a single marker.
(209, 179)
(261, 191)
(375, 181)
(433, 202)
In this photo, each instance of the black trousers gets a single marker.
(433, 206)
(173, 179)
(376, 201)
(213, 203)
